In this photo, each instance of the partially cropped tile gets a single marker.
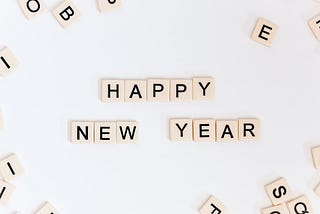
(8, 62)
(108, 5)
(32, 8)
(47, 208)
(6, 191)
(314, 25)
(279, 209)
(300, 205)
(316, 157)
(213, 206)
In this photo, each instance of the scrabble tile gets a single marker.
(47, 208)
(181, 130)
(66, 13)
(181, 90)
(158, 90)
(316, 157)
(108, 5)
(32, 8)
(135, 90)
(264, 32)
(105, 132)
(127, 132)
(8, 62)
(317, 189)
(213, 206)
(249, 129)
(226, 130)
(279, 191)
(203, 88)
(204, 130)
(82, 132)
(300, 205)
(279, 209)
(10, 167)
(314, 25)
(112, 90)
(6, 191)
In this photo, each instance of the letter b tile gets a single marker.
(66, 13)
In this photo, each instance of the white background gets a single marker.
(57, 81)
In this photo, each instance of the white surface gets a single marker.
(57, 81)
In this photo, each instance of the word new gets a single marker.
(104, 132)
(65, 13)
(158, 90)
(210, 130)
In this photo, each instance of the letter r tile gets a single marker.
(66, 13)
(213, 206)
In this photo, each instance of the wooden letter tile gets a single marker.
(6, 191)
(226, 130)
(316, 157)
(181, 90)
(249, 129)
(66, 13)
(158, 90)
(279, 209)
(213, 206)
(112, 90)
(108, 5)
(10, 167)
(181, 130)
(47, 208)
(264, 32)
(82, 132)
(32, 8)
(135, 90)
(279, 191)
(127, 132)
(105, 132)
(8, 62)
(203, 88)
(204, 130)
(314, 25)
(300, 205)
